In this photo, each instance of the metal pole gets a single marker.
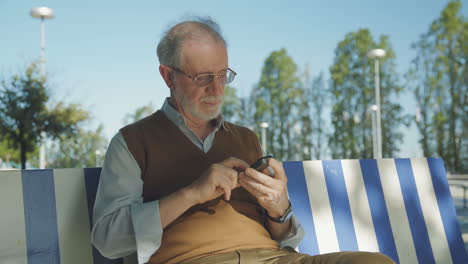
(42, 61)
(377, 100)
(98, 153)
(42, 13)
(374, 134)
(42, 47)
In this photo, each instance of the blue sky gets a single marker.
(102, 53)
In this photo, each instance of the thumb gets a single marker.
(235, 163)
(278, 168)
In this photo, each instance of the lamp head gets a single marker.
(376, 53)
(42, 12)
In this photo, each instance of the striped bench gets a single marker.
(400, 207)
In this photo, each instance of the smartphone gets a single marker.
(261, 163)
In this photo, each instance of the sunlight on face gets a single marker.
(202, 103)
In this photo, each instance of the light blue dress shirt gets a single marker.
(123, 224)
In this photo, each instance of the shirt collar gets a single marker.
(176, 118)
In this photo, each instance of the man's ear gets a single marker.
(167, 74)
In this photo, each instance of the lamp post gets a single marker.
(264, 126)
(373, 109)
(376, 54)
(98, 153)
(42, 13)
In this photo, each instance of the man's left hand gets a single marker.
(271, 191)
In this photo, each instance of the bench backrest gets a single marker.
(400, 207)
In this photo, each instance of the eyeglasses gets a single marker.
(226, 76)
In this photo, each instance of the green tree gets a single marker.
(24, 114)
(449, 34)
(439, 76)
(305, 106)
(312, 111)
(139, 113)
(246, 115)
(8, 154)
(85, 149)
(422, 80)
(353, 92)
(276, 99)
(232, 107)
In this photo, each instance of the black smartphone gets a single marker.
(261, 163)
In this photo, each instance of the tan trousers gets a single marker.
(289, 256)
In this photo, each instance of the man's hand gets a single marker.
(219, 178)
(271, 192)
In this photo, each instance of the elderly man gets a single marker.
(176, 186)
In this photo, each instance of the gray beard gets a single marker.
(190, 108)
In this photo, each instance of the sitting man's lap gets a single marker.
(289, 256)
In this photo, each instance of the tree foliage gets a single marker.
(312, 110)
(8, 154)
(439, 77)
(85, 149)
(25, 116)
(353, 93)
(139, 113)
(276, 101)
(232, 107)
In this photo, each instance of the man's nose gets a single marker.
(217, 85)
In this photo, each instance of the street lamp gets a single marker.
(42, 13)
(376, 54)
(264, 126)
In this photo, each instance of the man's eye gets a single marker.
(205, 78)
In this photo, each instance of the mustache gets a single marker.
(212, 99)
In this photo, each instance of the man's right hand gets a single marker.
(219, 178)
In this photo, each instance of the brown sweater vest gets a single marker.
(169, 161)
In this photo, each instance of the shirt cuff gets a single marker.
(295, 235)
(145, 217)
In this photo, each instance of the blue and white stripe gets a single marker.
(400, 207)
(48, 216)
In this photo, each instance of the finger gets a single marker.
(238, 180)
(228, 176)
(250, 189)
(235, 162)
(228, 182)
(227, 191)
(278, 168)
(269, 171)
(233, 177)
(259, 187)
(260, 177)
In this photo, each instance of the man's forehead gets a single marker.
(197, 44)
(197, 53)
